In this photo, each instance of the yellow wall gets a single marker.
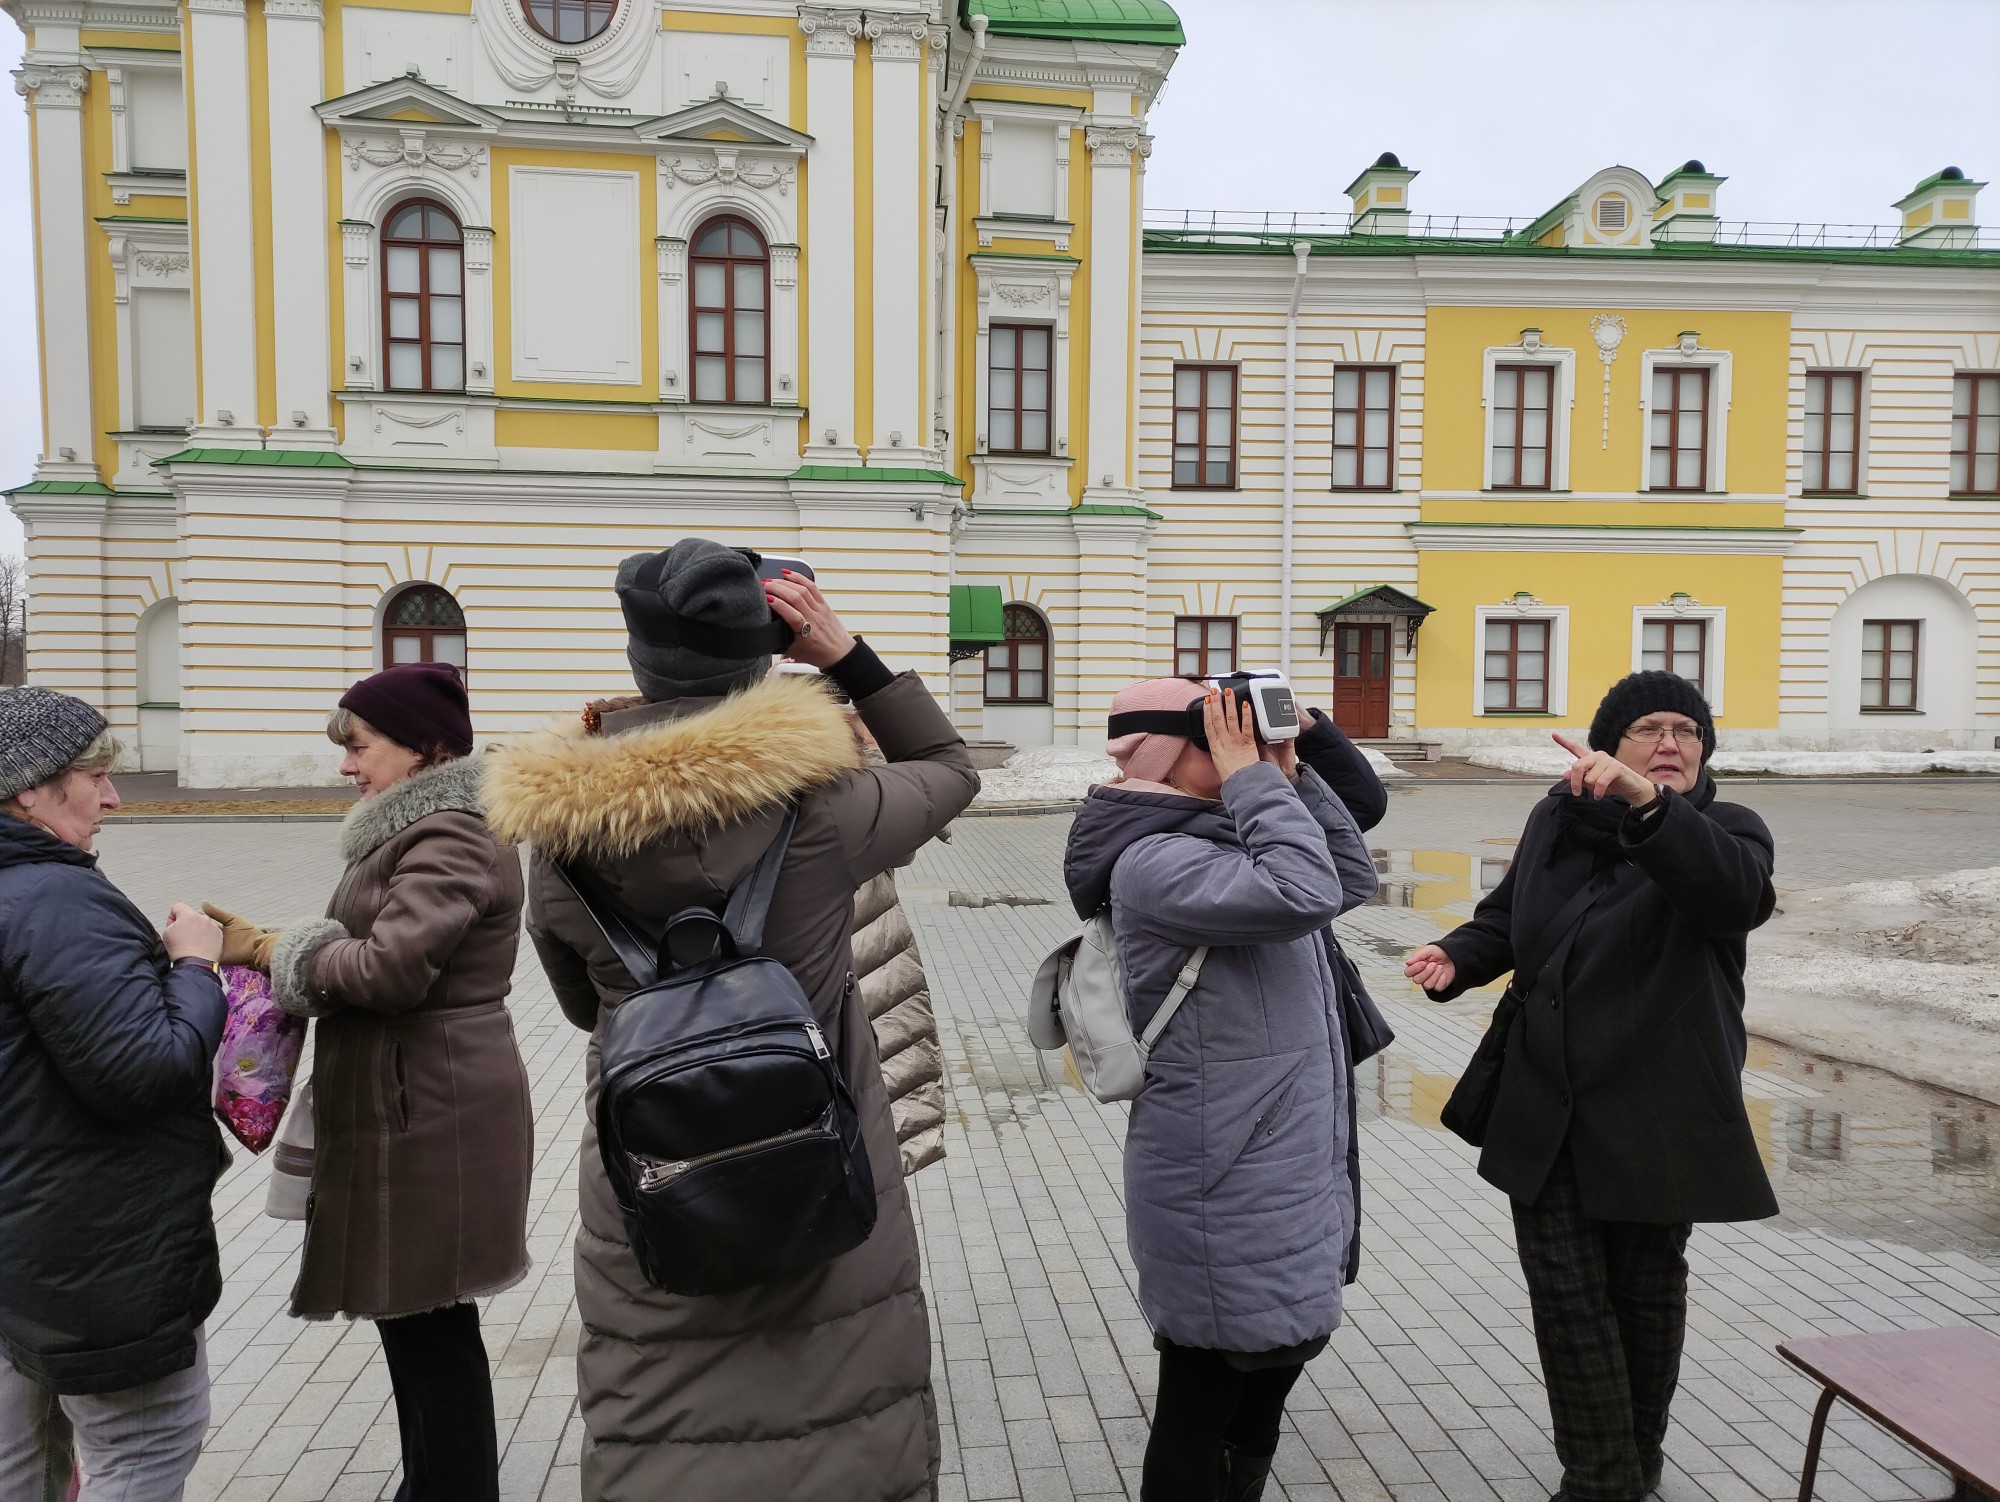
(1600, 590)
(636, 432)
(1454, 422)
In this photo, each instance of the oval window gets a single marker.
(570, 21)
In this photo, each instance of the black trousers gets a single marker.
(1205, 1403)
(444, 1405)
(1610, 1307)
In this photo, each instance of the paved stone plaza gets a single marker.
(1044, 1365)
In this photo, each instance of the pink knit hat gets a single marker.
(1151, 757)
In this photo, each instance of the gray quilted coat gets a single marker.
(1238, 1207)
(890, 972)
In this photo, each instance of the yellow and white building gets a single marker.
(380, 331)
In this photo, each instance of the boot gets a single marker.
(1243, 1475)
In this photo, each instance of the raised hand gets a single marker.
(1232, 733)
(821, 640)
(1431, 968)
(1602, 775)
(192, 934)
(240, 937)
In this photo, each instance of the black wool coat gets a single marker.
(108, 1146)
(1631, 1046)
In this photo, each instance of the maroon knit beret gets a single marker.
(420, 705)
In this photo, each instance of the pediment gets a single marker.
(407, 101)
(723, 122)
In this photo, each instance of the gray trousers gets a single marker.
(137, 1445)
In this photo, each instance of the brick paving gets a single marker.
(1043, 1362)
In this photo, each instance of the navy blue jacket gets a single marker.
(108, 1147)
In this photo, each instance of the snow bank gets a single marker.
(1553, 761)
(1064, 774)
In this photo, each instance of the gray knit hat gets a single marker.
(41, 734)
(701, 581)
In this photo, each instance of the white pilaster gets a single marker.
(1113, 271)
(478, 310)
(54, 85)
(218, 92)
(902, 237)
(294, 38)
(830, 35)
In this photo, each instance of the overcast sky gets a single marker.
(1816, 110)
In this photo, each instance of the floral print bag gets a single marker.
(257, 1060)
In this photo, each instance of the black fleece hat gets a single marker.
(707, 582)
(1640, 694)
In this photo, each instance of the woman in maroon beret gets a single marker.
(422, 1129)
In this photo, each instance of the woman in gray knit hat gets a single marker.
(108, 1148)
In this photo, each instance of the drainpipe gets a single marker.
(1300, 250)
(947, 296)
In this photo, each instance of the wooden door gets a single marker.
(1361, 674)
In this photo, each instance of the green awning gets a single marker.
(978, 614)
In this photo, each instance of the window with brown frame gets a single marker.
(1833, 432)
(1204, 427)
(423, 298)
(1017, 670)
(1364, 410)
(730, 312)
(1018, 388)
(1204, 645)
(1975, 435)
(1674, 644)
(1516, 669)
(1679, 438)
(424, 624)
(570, 21)
(1889, 665)
(1523, 414)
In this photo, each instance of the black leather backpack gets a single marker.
(727, 1129)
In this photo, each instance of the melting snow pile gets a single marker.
(1065, 774)
(1553, 761)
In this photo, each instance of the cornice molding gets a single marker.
(1508, 537)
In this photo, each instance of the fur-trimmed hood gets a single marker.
(449, 787)
(572, 794)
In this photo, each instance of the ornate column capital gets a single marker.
(830, 31)
(295, 10)
(1115, 145)
(52, 86)
(357, 241)
(216, 7)
(478, 247)
(897, 37)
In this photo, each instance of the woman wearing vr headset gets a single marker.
(1239, 1209)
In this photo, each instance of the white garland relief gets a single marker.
(1608, 330)
(725, 170)
(415, 152)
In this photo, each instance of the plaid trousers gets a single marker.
(1610, 1307)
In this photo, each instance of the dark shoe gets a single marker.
(1566, 1497)
(1653, 1470)
(1243, 1476)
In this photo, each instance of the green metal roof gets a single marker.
(1254, 243)
(1150, 21)
(61, 487)
(284, 458)
(862, 474)
(978, 614)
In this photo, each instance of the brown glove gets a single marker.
(243, 942)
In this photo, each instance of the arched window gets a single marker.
(570, 21)
(1017, 670)
(730, 312)
(423, 298)
(424, 624)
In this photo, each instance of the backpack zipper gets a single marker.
(653, 1172)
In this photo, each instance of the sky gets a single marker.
(1815, 110)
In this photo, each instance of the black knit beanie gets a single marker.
(1640, 694)
(702, 581)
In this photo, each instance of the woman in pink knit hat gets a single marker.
(1239, 1209)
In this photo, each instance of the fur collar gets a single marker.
(571, 794)
(449, 787)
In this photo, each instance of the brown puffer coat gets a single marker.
(816, 1389)
(423, 1136)
(898, 998)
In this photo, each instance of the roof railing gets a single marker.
(1222, 226)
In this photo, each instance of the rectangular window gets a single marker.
(1204, 427)
(1205, 645)
(1517, 666)
(1018, 389)
(1975, 435)
(1364, 405)
(1889, 664)
(1679, 438)
(1833, 432)
(1674, 645)
(1523, 410)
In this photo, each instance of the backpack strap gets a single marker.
(750, 902)
(636, 954)
(1183, 983)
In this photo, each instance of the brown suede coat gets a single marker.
(898, 998)
(423, 1136)
(816, 1389)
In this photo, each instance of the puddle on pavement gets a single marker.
(1430, 880)
(1852, 1151)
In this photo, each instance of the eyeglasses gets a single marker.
(1654, 735)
